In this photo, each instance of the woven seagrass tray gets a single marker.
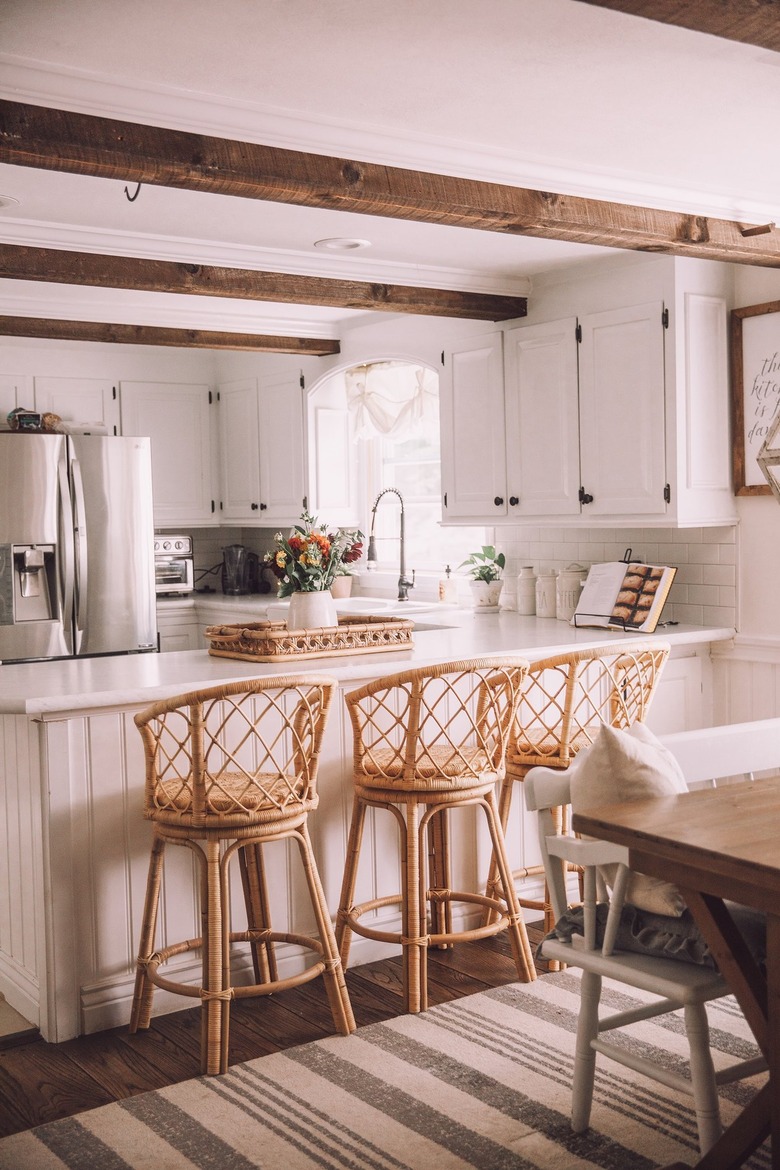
(272, 641)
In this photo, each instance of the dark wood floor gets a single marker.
(41, 1082)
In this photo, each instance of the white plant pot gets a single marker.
(312, 611)
(485, 595)
(341, 587)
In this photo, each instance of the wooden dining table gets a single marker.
(719, 844)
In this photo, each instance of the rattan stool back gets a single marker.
(426, 742)
(566, 698)
(229, 769)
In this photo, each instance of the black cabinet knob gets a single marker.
(585, 497)
(498, 501)
(254, 507)
(263, 507)
(514, 501)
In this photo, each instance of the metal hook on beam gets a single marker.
(759, 230)
(132, 198)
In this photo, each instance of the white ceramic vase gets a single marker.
(485, 595)
(312, 611)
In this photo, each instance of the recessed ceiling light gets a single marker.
(7, 201)
(338, 244)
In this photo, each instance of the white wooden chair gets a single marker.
(705, 756)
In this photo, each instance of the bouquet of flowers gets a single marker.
(310, 557)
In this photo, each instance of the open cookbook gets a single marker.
(622, 596)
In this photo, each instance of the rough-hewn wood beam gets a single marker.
(59, 140)
(754, 22)
(154, 335)
(61, 267)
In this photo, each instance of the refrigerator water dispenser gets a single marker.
(34, 569)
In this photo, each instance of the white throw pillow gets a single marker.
(629, 765)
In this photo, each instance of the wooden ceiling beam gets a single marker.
(154, 335)
(61, 140)
(753, 22)
(85, 268)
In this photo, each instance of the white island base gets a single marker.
(74, 868)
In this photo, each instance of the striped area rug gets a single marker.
(483, 1082)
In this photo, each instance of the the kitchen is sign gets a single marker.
(755, 381)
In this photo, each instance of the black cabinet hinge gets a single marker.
(213, 507)
(668, 493)
(442, 357)
(113, 389)
(445, 499)
(303, 382)
(578, 332)
(211, 399)
(665, 318)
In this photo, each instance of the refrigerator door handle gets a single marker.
(80, 542)
(66, 571)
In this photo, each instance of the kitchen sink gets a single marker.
(385, 605)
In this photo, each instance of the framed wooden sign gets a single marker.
(755, 388)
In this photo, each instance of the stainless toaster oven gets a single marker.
(174, 567)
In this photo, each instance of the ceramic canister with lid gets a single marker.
(568, 587)
(526, 590)
(545, 593)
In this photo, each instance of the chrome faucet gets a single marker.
(404, 584)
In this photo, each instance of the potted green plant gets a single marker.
(485, 569)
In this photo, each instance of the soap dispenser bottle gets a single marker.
(448, 589)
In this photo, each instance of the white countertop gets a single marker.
(48, 690)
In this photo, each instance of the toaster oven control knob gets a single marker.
(166, 545)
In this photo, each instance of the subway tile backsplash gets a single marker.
(705, 588)
(704, 591)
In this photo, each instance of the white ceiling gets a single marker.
(548, 94)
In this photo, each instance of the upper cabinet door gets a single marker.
(240, 497)
(282, 448)
(622, 411)
(82, 400)
(542, 434)
(177, 418)
(473, 451)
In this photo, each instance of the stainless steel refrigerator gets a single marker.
(76, 546)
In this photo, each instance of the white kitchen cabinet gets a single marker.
(82, 400)
(179, 629)
(622, 412)
(542, 409)
(473, 430)
(178, 419)
(262, 451)
(610, 417)
(85, 400)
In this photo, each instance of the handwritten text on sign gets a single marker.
(761, 365)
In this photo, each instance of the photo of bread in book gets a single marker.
(624, 596)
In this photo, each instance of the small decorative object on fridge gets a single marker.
(485, 568)
(568, 587)
(307, 562)
(526, 591)
(545, 593)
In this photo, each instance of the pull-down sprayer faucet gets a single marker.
(404, 584)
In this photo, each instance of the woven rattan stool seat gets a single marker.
(229, 770)
(427, 742)
(566, 698)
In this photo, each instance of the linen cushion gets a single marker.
(622, 766)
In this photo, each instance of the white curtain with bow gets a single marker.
(390, 398)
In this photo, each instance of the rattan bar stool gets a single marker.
(426, 742)
(229, 770)
(565, 700)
